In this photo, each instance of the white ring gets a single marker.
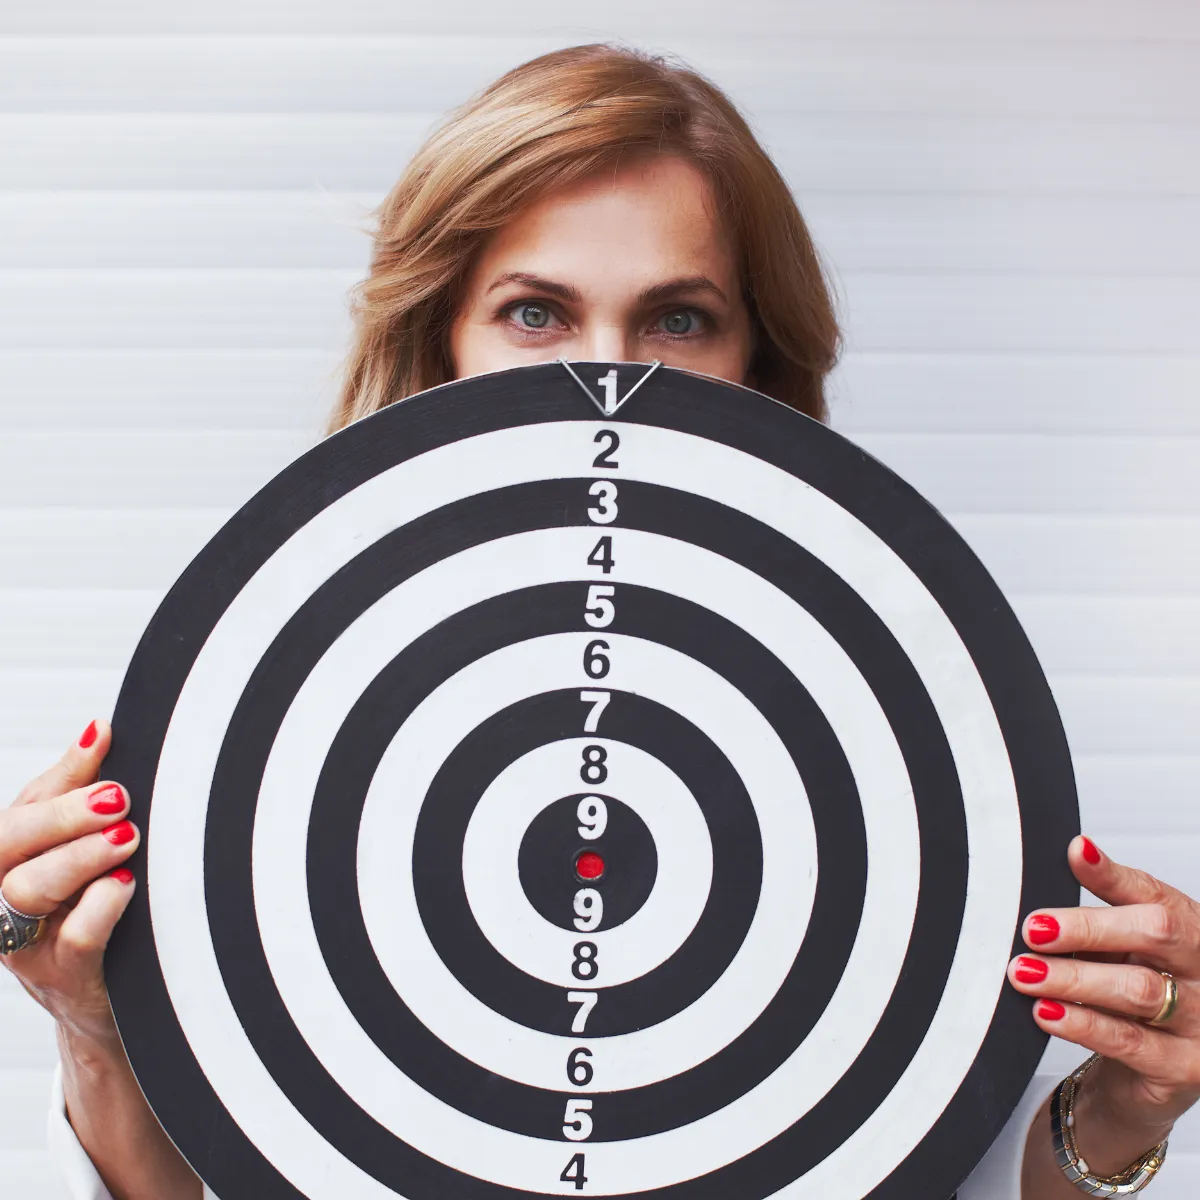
(502, 909)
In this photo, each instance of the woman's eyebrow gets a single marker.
(659, 292)
(675, 287)
(562, 291)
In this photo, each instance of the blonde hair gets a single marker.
(554, 121)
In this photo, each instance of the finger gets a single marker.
(79, 766)
(1113, 882)
(84, 933)
(1161, 933)
(1149, 1052)
(43, 883)
(1125, 989)
(27, 830)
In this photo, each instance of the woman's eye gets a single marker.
(532, 316)
(680, 322)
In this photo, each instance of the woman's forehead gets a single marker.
(644, 221)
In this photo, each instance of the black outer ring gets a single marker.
(1025, 710)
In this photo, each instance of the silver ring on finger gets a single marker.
(1170, 1000)
(18, 930)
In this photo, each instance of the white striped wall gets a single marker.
(1008, 194)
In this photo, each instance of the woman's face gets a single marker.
(628, 266)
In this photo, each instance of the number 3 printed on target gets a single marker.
(600, 610)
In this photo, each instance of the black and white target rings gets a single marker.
(550, 796)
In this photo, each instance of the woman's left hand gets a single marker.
(1104, 997)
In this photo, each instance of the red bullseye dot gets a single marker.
(589, 865)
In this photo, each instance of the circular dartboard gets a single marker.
(585, 781)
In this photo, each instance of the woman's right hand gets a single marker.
(62, 843)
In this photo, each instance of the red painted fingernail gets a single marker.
(120, 833)
(1091, 852)
(1051, 1010)
(122, 875)
(88, 737)
(1030, 970)
(107, 800)
(1043, 929)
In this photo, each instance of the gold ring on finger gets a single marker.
(1170, 1000)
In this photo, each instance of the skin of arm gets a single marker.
(114, 1124)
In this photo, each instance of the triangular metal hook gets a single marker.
(609, 405)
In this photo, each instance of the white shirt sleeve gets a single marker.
(82, 1179)
(998, 1176)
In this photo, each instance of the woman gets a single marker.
(594, 204)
